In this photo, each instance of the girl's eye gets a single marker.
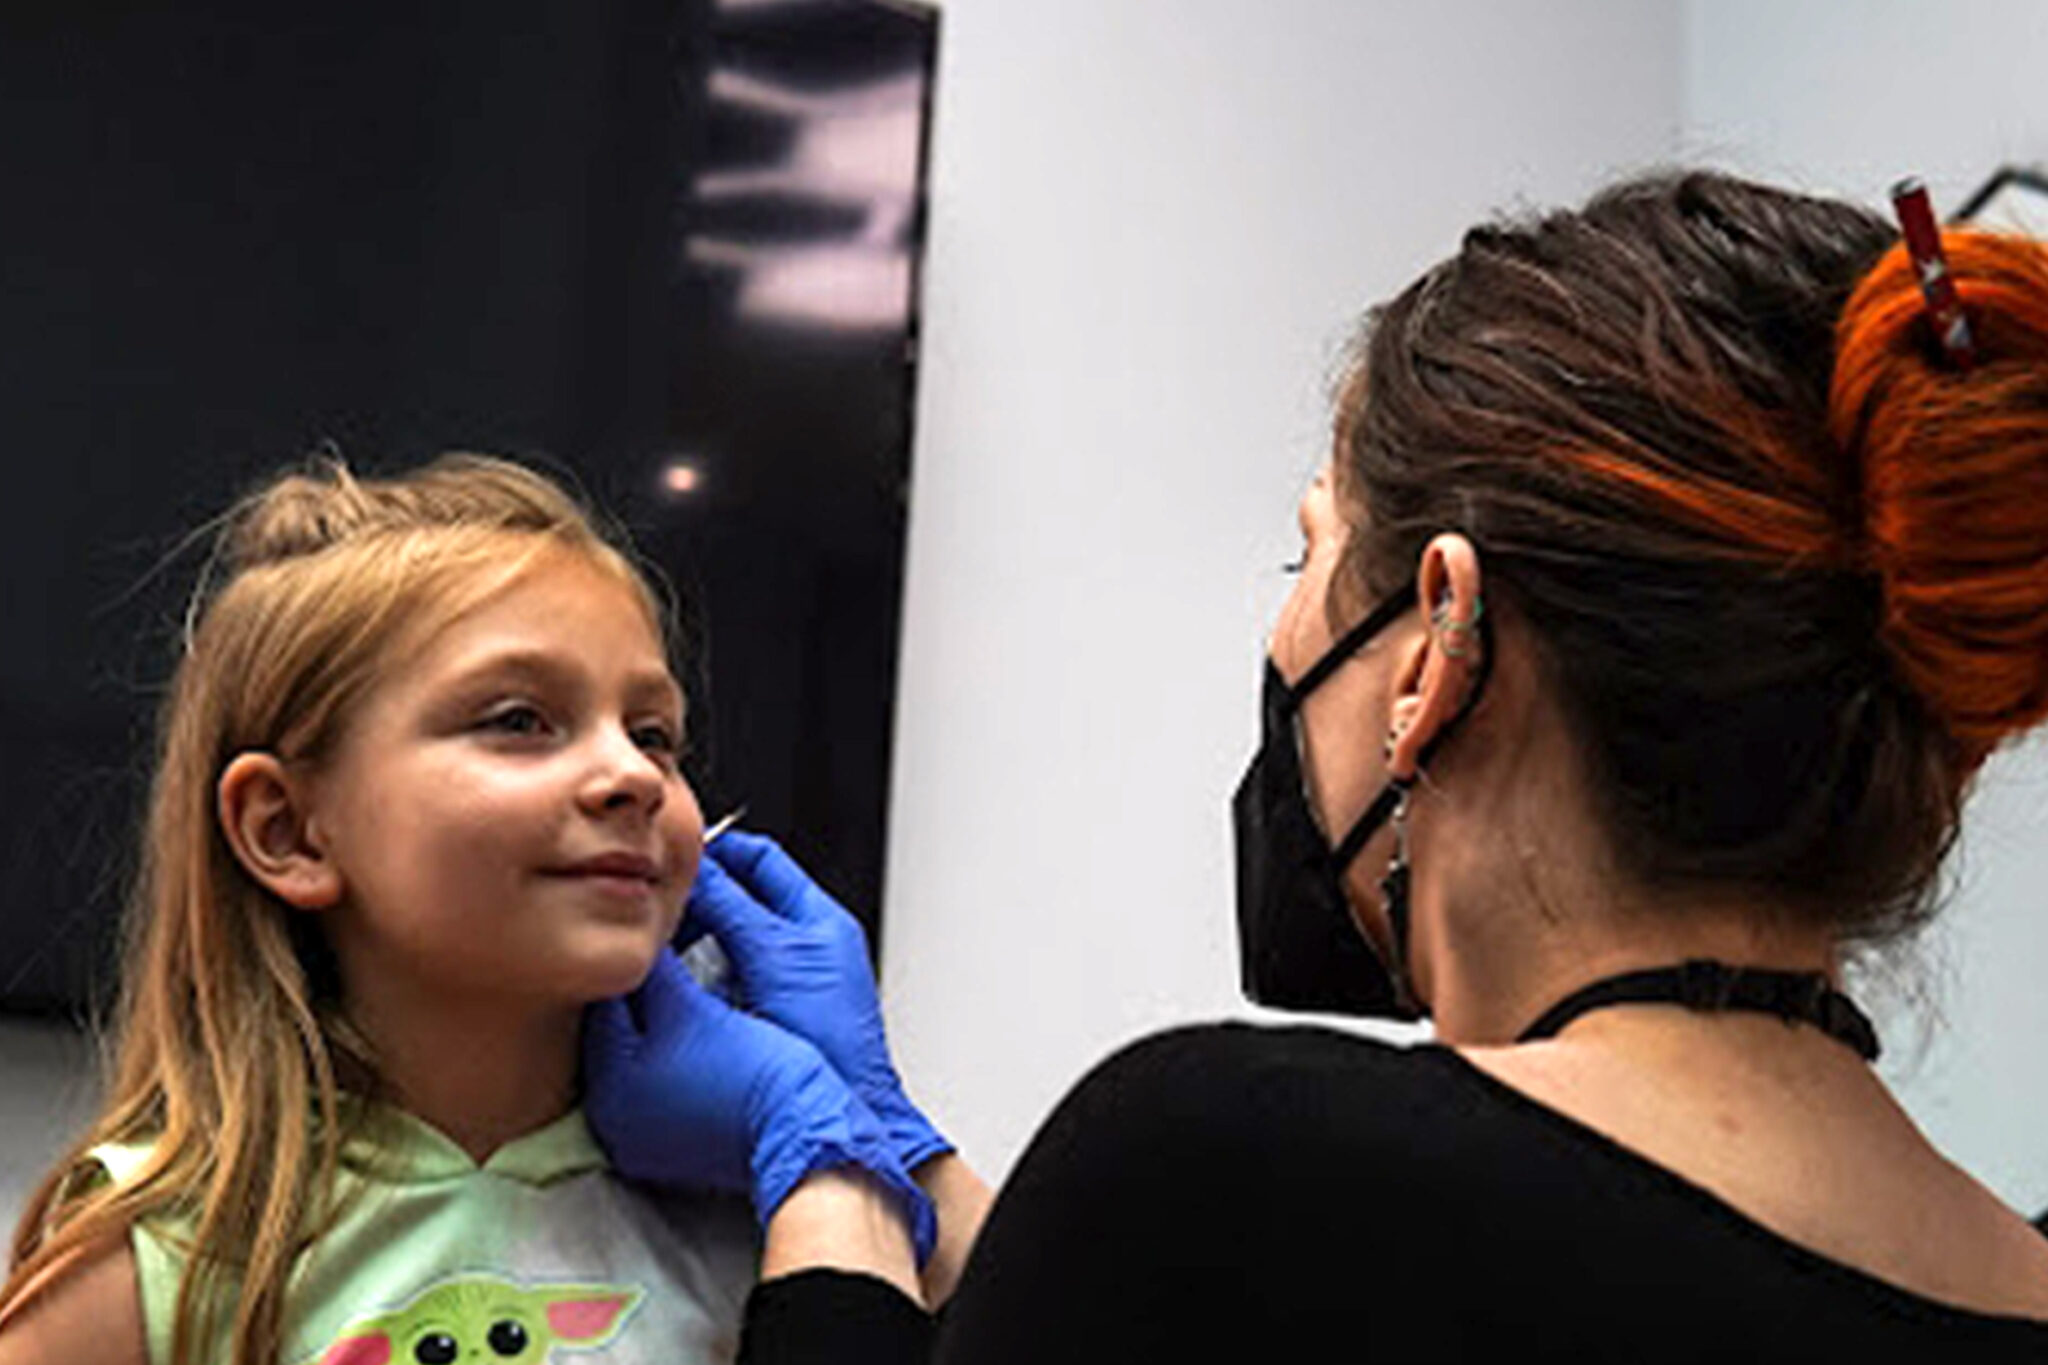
(1294, 566)
(656, 738)
(515, 720)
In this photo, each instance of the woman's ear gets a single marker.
(262, 810)
(1429, 694)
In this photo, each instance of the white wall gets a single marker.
(1153, 223)
(46, 1091)
(1847, 98)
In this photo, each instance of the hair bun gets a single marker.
(1954, 471)
(298, 514)
(324, 504)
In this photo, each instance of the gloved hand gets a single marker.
(802, 961)
(704, 1095)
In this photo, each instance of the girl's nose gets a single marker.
(624, 776)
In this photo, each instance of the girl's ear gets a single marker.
(262, 812)
(1430, 692)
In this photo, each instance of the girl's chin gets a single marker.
(579, 971)
(614, 973)
(550, 972)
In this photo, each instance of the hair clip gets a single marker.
(1930, 264)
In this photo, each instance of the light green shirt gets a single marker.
(540, 1254)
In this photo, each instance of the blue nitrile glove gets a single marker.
(706, 1096)
(802, 961)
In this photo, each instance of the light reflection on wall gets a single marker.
(680, 478)
(854, 148)
(778, 497)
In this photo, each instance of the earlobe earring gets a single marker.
(1394, 888)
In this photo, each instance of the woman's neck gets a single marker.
(1504, 932)
(1519, 895)
(481, 1070)
(1489, 997)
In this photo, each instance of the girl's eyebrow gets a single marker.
(659, 685)
(550, 667)
(514, 661)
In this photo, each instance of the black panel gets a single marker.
(232, 232)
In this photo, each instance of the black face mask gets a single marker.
(1299, 946)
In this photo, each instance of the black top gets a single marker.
(1243, 1194)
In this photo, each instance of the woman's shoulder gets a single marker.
(1228, 1063)
(1257, 1096)
(1188, 1178)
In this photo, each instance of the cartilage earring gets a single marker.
(1457, 635)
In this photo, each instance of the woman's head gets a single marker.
(1775, 565)
(423, 738)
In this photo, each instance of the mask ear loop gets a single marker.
(1353, 640)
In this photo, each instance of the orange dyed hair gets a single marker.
(1785, 572)
(1955, 477)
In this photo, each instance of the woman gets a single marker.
(1668, 586)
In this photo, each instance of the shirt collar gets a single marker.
(386, 1143)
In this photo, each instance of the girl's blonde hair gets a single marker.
(228, 1032)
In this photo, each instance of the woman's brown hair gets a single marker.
(1786, 570)
(230, 1033)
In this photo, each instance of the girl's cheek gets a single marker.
(686, 829)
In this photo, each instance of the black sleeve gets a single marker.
(829, 1317)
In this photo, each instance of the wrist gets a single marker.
(961, 1201)
(841, 1219)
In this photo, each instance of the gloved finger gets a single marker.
(608, 1030)
(727, 868)
(669, 996)
(723, 908)
(761, 865)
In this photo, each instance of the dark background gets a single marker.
(230, 233)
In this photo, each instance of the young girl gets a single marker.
(417, 804)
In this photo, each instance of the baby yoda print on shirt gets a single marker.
(479, 1319)
(538, 1255)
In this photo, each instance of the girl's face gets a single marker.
(505, 810)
